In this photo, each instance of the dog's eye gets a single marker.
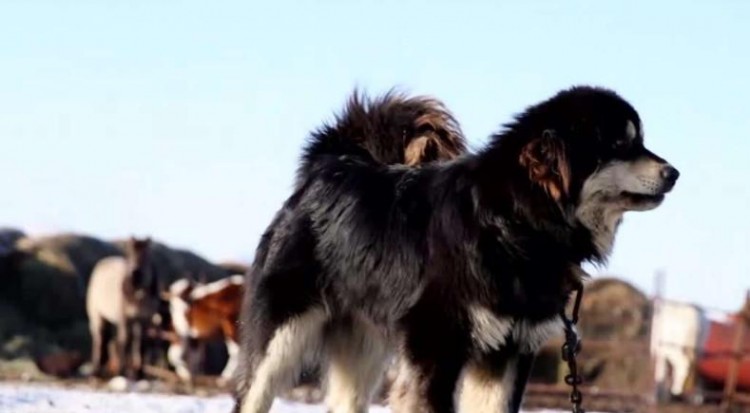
(620, 144)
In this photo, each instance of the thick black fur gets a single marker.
(388, 130)
(413, 248)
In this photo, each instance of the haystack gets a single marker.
(615, 319)
(43, 284)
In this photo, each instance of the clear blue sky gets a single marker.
(184, 119)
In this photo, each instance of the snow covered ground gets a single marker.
(23, 398)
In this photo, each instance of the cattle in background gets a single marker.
(677, 333)
(202, 312)
(122, 292)
(158, 336)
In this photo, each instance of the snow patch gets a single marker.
(25, 398)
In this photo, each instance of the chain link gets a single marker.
(570, 350)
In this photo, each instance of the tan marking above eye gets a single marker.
(630, 130)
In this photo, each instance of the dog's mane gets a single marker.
(489, 201)
(490, 190)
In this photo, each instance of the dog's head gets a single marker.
(587, 152)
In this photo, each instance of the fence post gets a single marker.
(730, 387)
(652, 399)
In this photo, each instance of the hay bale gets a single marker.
(614, 310)
(9, 256)
(8, 238)
(234, 267)
(12, 325)
(72, 254)
(43, 283)
(49, 282)
(50, 295)
(61, 363)
(29, 349)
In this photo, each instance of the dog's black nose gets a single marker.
(670, 174)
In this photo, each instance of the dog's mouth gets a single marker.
(644, 198)
(637, 198)
(654, 197)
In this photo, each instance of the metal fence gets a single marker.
(639, 392)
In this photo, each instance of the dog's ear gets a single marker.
(547, 164)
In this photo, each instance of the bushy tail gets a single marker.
(391, 129)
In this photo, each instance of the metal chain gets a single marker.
(570, 350)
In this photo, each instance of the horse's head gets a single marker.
(141, 281)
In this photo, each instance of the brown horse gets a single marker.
(122, 292)
(203, 312)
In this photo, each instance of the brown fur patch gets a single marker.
(547, 164)
(216, 314)
(419, 150)
(437, 137)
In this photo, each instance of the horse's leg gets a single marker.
(176, 356)
(233, 350)
(136, 357)
(121, 343)
(229, 329)
(96, 325)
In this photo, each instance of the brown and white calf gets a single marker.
(204, 312)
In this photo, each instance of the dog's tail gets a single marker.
(391, 129)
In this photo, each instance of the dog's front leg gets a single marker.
(425, 388)
(495, 383)
(431, 362)
(523, 371)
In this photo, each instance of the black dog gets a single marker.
(466, 263)
(392, 129)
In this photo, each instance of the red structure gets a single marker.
(720, 352)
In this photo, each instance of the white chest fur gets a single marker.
(602, 221)
(490, 332)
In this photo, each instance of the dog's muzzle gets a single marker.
(669, 175)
